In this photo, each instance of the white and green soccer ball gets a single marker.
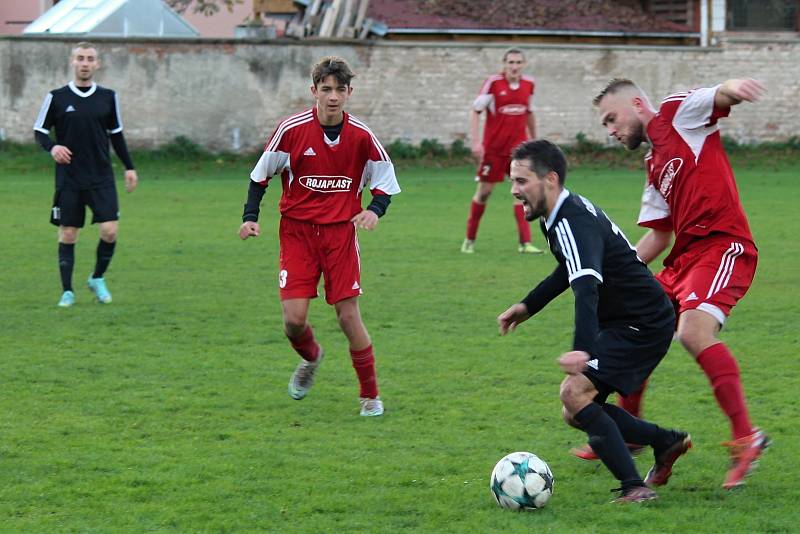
(521, 481)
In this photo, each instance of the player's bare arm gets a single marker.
(512, 317)
(249, 229)
(734, 91)
(475, 134)
(532, 125)
(131, 180)
(366, 220)
(61, 154)
(573, 362)
(653, 243)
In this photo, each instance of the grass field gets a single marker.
(167, 410)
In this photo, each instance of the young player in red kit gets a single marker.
(691, 193)
(325, 158)
(507, 99)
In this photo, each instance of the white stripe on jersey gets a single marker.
(568, 248)
(488, 83)
(39, 124)
(119, 117)
(725, 269)
(355, 122)
(288, 124)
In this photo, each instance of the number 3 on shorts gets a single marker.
(282, 278)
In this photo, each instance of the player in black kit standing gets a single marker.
(85, 116)
(623, 320)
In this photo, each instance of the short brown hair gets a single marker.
(332, 66)
(84, 45)
(613, 87)
(512, 51)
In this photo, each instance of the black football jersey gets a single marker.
(587, 243)
(83, 122)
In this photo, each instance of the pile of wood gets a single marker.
(320, 18)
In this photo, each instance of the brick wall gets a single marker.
(229, 94)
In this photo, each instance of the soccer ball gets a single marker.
(521, 481)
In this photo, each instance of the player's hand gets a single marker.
(477, 151)
(61, 154)
(744, 89)
(573, 362)
(512, 317)
(131, 180)
(249, 229)
(367, 220)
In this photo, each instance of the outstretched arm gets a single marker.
(734, 91)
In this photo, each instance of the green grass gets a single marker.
(167, 410)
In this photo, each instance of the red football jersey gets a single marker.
(323, 179)
(690, 188)
(507, 110)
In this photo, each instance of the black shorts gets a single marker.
(69, 206)
(625, 356)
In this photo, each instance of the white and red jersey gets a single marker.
(507, 108)
(323, 179)
(690, 187)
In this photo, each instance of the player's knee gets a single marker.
(483, 196)
(693, 340)
(67, 235)
(567, 415)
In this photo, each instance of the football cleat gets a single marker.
(468, 246)
(745, 453)
(67, 299)
(98, 287)
(661, 471)
(585, 452)
(529, 248)
(371, 407)
(636, 494)
(303, 377)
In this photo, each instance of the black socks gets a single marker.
(606, 441)
(105, 251)
(66, 262)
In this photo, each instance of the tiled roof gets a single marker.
(547, 15)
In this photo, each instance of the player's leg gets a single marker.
(361, 354)
(297, 279)
(580, 410)
(68, 213)
(720, 275)
(478, 205)
(105, 212)
(301, 337)
(67, 237)
(342, 272)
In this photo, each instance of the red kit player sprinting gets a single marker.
(507, 99)
(691, 193)
(326, 158)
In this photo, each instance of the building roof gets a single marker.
(127, 18)
(577, 16)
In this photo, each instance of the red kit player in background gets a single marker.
(690, 192)
(326, 158)
(507, 99)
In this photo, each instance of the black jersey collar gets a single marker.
(561, 198)
(90, 92)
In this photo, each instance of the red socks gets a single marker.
(523, 227)
(633, 402)
(364, 364)
(305, 345)
(475, 213)
(722, 371)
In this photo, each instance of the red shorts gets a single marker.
(310, 250)
(712, 275)
(493, 168)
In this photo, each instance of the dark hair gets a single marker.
(612, 87)
(512, 51)
(543, 157)
(332, 66)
